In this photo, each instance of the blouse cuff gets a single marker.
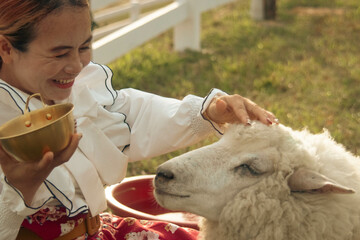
(211, 95)
(14, 200)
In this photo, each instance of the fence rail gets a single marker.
(130, 12)
(184, 16)
(99, 4)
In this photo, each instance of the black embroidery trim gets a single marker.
(202, 108)
(15, 92)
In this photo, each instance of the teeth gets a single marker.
(63, 81)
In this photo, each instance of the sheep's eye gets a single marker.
(246, 169)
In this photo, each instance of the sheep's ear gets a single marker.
(304, 180)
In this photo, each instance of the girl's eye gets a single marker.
(61, 55)
(84, 48)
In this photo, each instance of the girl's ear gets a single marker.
(5, 49)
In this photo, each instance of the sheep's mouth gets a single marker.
(161, 192)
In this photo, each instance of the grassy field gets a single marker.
(304, 66)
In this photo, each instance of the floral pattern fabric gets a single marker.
(52, 222)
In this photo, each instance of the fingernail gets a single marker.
(276, 121)
(80, 135)
(269, 121)
(248, 122)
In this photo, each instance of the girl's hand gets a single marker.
(28, 176)
(235, 108)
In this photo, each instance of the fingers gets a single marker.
(221, 106)
(216, 110)
(238, 110)
(46, 161)
(242, 110)
(66, 154)
(242, 114)
(272, 118)
(50, 161)
(260, 114)
(235, 108)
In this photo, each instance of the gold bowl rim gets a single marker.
(33, 113)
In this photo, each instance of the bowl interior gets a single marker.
(133, 197)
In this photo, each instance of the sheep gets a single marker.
(266, 183)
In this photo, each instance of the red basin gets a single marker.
(133, 197)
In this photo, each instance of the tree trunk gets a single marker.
(263, 9)
(269, 9)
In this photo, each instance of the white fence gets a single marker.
(184, 16)
(130, 12)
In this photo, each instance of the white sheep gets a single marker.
(266, 183)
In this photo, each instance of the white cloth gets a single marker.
(10, 222)
(117, 127)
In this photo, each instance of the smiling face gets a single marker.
(54, 58)
(203, 181)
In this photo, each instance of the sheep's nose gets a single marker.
(164, 175)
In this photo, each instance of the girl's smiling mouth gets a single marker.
(64, 83)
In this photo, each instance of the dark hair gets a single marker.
(19, 18)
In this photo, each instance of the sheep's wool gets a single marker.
(269, 210)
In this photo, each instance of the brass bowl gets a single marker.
(34, 133)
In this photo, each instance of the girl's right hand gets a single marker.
(28, 176)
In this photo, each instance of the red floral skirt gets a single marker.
(52, 222)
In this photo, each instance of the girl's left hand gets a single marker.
(28, 176)
(237, 109)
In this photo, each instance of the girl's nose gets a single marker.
(74, 66)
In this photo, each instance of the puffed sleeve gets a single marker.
(141, 124)
(160, 125)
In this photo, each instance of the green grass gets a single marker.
(304, 66)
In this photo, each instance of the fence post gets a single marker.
(135, 10)
(187, 33)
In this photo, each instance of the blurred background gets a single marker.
(303, 65)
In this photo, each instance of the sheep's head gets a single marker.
(204, 180)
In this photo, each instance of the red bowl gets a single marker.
(133, 197)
